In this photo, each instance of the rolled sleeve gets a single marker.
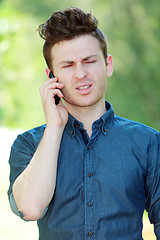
(153, 185)
(157, 230)
(19, 213)
(14, 207)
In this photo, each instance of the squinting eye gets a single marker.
(66, 66)
(90, 61)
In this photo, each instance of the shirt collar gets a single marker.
(104, 122)
(107, 118)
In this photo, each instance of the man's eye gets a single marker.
(91, 61)
(67, 66)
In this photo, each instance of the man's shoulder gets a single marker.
(33, 135)
(134, 126)
(35, 130)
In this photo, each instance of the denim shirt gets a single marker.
(103, 183)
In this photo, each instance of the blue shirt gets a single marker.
(104, 182)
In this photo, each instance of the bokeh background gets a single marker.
(132, 28)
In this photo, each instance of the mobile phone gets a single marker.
(57, 99)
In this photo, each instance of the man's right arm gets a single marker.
(34, 187)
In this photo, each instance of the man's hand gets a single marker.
(56, 115)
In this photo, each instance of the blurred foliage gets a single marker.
(132, 29)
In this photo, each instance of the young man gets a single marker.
(86, 174)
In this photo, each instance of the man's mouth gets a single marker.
(84, 87)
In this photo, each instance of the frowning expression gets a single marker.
(80, 65)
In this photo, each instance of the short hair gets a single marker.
(66, 25)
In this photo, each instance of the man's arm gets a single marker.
(34, 187)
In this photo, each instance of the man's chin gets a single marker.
(81, 103)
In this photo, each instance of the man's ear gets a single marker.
(109, 65)
(47, 71)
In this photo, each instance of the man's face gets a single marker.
(79, 64)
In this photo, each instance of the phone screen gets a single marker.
(57, 99)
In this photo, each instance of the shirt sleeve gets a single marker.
(21, 153)
(153, 184)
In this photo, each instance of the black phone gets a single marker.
(57, 99)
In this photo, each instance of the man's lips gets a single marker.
(84, 87)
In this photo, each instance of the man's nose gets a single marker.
(80, 71)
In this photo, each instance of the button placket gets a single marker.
(89, 192)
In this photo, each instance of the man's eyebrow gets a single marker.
(90, 56)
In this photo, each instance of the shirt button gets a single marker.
(90, 204)
(77, 125)
(89, 147)
(90, 234)
(105, 129)
(90, 174)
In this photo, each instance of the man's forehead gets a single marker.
(86, 42)
(78, 48)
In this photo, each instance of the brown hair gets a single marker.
(66, 25)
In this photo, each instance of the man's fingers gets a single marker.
(51, 86)
(57, 92)
(47, 82)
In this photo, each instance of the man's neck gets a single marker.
(87, 115)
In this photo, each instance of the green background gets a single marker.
(132, 28)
